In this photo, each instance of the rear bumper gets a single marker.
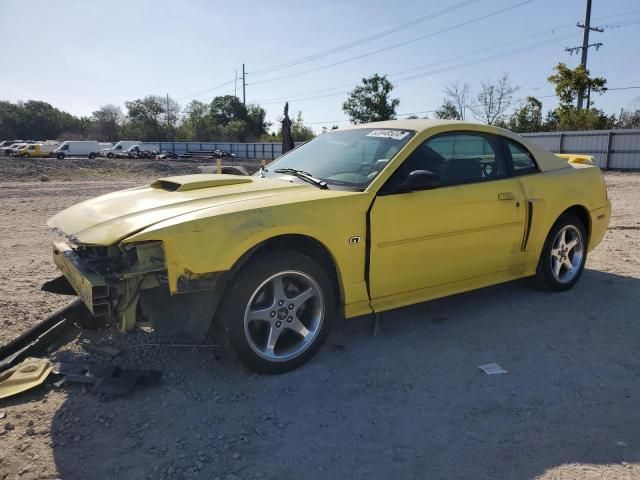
(91, 287)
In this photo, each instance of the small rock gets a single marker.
(9, 426)
(44, 178)
(3, 414)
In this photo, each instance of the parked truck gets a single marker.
(37, 150)
(77, 148)
(120, 147)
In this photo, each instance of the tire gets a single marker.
(60, 156)
(92, 155)
(109, 155)
(252, 313)
(558, 253)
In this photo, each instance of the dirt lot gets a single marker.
(409, 403)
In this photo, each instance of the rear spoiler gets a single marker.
(576, 158)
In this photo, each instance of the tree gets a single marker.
(299, 131)
(371, 101)
(528, 117)
(196, 123)
(448, 111)
(628, 119)
(571, 83)
(258, 125)
(146, 118)
(107, 122)
(493, 100)
(570, 118)
(458, 95)
(285, 129)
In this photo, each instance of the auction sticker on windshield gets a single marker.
(392, 134)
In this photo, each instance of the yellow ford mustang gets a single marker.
(356, 221)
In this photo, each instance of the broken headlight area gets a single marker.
(109, 279)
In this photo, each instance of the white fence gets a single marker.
(615, 149)
(258, 151)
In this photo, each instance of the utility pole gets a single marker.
(244, 86)
(235, 86)
(167, 111)
(584, 49)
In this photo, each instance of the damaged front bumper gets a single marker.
(129, 283)
(109, 280)
(91, 287)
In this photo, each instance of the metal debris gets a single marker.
(29, 374)
(106, 379)
(492, 369)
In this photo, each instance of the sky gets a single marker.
(79, 54)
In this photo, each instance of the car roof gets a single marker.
(418, 124)
(546, 160)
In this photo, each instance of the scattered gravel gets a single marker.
(409, 403)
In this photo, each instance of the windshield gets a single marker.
(351, 158)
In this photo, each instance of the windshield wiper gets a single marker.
(306, 176)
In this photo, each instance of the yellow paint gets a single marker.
(30, 373)
(424, 244)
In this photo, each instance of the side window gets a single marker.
(466, 158)
(522, 161)
(456, 158)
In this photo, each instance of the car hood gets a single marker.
(107, 219)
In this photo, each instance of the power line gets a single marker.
(204, 92)
(460, 65)
(397, 45)
(403, 114)
(619, 24)
(367, 39)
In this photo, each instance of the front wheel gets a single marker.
(277, 312)
(60, 156)
(563, 255)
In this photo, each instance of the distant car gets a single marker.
(222, 154)
(13, 149)
(37, 150)
(77, 148)
(354, 222)
(7, 143)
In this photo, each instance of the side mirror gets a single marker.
(420, 180)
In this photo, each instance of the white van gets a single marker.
(77, 148)
(120, 147)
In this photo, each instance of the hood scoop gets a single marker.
(185, 183)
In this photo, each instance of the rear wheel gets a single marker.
(277, 312)
(563, 255)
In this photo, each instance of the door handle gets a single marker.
(506, 196)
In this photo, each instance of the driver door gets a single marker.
(471, 226)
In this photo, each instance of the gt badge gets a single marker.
(355, 239)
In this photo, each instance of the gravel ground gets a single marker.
(409, 403)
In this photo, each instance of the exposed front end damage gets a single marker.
(127, 283)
